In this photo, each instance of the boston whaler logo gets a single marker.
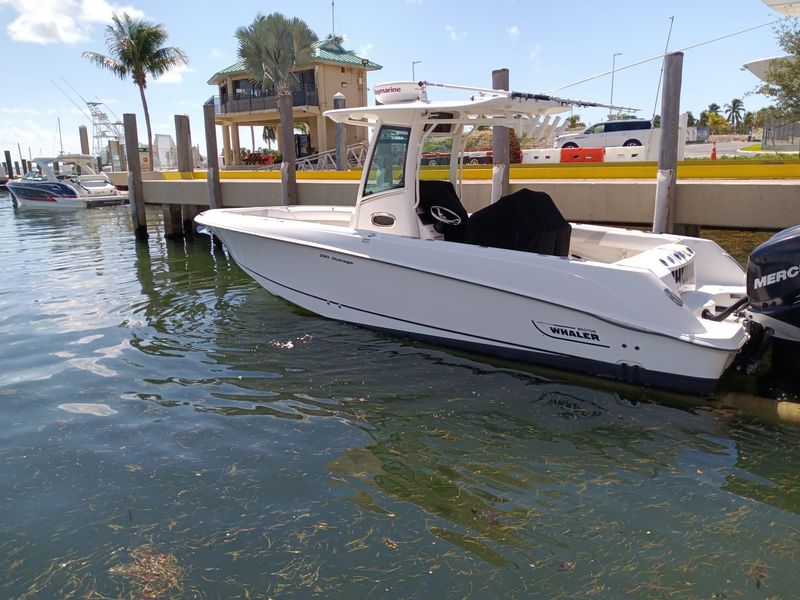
(570, 333)
(776, 277)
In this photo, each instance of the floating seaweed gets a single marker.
(154, 574)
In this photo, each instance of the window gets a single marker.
(387, 169)
(627, 125)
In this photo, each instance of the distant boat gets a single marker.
(66, 181)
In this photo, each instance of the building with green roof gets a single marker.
(241, 102)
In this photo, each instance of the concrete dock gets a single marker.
(756, 195)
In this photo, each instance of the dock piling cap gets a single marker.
(398, 92)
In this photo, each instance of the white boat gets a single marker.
(65, 181)
(512, 279)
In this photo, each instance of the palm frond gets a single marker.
(272, 46)
(136, 49)
(107, 62)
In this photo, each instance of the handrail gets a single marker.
(326, 161)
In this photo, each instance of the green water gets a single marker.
(228, 445)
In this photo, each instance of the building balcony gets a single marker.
(256, 100)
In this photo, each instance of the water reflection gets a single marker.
(257, 451)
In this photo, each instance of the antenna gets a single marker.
(333, 20)
(661, 73)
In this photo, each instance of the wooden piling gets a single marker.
(123, 164)
(173, 219)
(16, 168)
(339, 101)
(9, 164)
(214, 187)
(664, 213)
(183, 137)
(135, 189)
(501, 137)
(84, 133)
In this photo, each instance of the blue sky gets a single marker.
(545, 45)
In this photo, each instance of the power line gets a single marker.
(661, 56)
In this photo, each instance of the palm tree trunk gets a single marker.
(288, 175)
(147, 123)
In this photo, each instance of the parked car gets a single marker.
(624, 132)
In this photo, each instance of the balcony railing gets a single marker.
(302, 95)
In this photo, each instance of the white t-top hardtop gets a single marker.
(503, 110)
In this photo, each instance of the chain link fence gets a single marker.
(781, 135)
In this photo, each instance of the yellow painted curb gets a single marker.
(688, 169)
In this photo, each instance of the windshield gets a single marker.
(387, 169)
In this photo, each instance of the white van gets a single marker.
(624, 132)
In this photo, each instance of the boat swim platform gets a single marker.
(770, 201)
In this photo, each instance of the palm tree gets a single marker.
(271, 47)
(748, 122)
(574, 122)
(269, 135)
(135, 48)
(734, 112)
(713, 108)
(717, 124)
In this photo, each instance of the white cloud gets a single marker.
(175, 75)
(60, 21)
(34, 138)
(365, 50)
(18, 111)
(513, 32)
(453, 34)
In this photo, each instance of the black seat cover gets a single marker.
(442, 193)
(525, 220)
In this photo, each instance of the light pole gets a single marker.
(414, 62)
(613, 67)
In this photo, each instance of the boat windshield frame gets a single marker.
(388, 160)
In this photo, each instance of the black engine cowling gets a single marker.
(773, 288)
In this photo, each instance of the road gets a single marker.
(723, 149)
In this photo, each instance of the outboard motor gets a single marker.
(773, 289)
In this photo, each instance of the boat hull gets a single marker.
(345, 276)
(59, 195)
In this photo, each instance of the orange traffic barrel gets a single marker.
(581, 155)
